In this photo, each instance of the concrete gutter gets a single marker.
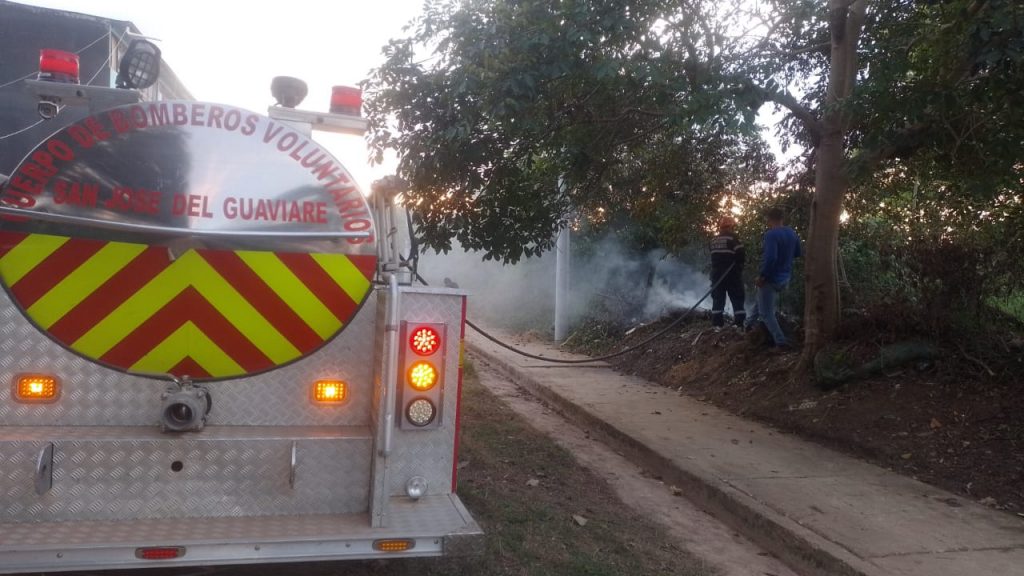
(820, 512)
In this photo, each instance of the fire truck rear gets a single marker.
(210, 348)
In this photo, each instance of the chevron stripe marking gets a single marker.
(239, 311)
(9, 240)
(367, 265)
(345, 273)
(311, 274)
(21, 259)
(187, 307)
(266, 300)
(299, 297)
(189, 367)
(207, 313)
(188, 270)
(126, 317)
(188, 341)
(78, 285)
(109, 295)
(57, 266)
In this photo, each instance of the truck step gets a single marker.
(431, 526)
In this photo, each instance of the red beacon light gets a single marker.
(346, 100)
(58, 66)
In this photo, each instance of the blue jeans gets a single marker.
(764, 310)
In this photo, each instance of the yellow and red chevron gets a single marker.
(208, 313)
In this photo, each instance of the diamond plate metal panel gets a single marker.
(95, 395)
(430, 516)
(136, 473)
(429, 453)
(115, 433)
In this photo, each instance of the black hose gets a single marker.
(414, 244)
(606, 356)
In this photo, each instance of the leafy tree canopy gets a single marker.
(491, 104)
(646, 109)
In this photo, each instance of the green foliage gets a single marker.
(937, 208)
(938, 253)
(944, 85)
(1012, 305)
(871, 270)
(515, 96)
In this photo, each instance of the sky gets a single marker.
(228, 54)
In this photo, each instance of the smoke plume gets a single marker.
(607, 280)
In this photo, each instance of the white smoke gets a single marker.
(640, 286)
(607, 280)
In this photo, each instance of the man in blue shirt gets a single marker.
(780, 247)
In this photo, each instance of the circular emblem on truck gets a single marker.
(186, 238)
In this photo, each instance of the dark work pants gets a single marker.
(733, 286)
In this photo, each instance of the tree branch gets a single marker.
(801, 112)
(975, 7)
(854, 24)
(625, 113)
(815, 48)
(904, 141)
(909, 139)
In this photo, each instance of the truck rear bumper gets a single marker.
(435, 525)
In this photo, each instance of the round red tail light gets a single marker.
(424, 341)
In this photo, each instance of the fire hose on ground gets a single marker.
(645, 342)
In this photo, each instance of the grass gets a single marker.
(1012, 305)
(593, 337)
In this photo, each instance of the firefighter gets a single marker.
(727, 257)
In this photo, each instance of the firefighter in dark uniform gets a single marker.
(726, 251)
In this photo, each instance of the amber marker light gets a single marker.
(394, 545)
(422, 376)
(36, 388)
(330, 391)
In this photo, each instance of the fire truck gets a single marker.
(211, 351)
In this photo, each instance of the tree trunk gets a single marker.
(821, 291)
